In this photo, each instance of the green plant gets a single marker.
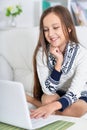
(13, 10)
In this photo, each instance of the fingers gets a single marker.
(43, 111)
(54, 50)
(38, 113)
(45, 115)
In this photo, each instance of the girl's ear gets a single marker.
(69, 30)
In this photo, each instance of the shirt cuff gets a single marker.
(64, 103)
(55, 75)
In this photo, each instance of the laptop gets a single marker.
(14, 108)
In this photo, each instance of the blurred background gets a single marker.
(32, 10)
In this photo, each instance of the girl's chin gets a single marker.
(54, 45)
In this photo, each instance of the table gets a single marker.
(58, 125)
(67, 123)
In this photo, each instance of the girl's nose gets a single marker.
(50, 33)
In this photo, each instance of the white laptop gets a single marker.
(14, 108)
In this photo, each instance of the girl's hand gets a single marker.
(45, 110)
(58, 55)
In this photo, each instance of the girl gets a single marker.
(59, 67)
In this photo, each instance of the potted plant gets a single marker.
(13, 11)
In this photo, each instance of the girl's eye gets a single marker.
(45, 30)
(55, 27)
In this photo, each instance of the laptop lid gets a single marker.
(14, 108)
(13, 105)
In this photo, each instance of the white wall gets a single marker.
(32, 10)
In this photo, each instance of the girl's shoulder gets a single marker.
(41, 56)
(39, 53)
(82, 49)
(81, 53)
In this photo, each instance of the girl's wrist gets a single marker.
(58, 67)
(57, 105)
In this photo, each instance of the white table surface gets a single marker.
(80, 123)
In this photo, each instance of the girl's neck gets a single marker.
(62, 49)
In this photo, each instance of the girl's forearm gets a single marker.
(33, 101)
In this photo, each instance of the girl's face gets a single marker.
(53, 31)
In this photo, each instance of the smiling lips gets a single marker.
(53, 39)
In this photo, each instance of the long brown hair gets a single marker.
(67, 23)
